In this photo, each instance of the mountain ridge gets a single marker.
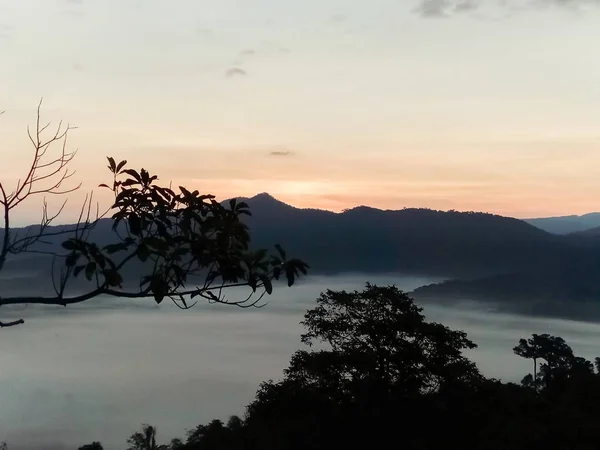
(501, 259)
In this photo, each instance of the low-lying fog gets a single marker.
(97, 371)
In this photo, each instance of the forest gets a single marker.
(375, 371)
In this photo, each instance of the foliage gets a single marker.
(93, 446)
(185, 245)
(180, 237)
(382, 335)
(380, 353)
(145, 439)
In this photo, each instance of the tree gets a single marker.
(93, 446)
(530, 349)
(559, 360)
(176, 444)
(145, 439)
(181, 244)
(381, 336)
(379, 363)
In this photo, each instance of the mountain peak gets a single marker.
(264, 196)
(265, 201)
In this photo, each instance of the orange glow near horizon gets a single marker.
(383, 108)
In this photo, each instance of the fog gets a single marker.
(97, 371)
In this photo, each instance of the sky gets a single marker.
(468, 105)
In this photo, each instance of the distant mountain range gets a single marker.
(566, 224)
(510, 263)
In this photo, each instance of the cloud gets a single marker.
(235, 72)
(281, 153)
(337, 18)
(444, 8)
(247, 52)
(448, 8)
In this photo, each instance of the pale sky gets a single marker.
(488, 106)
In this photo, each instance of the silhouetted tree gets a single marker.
(93, 446)
(176, 444)
(530, 349)
(558, 356)
(381, 335)
(186, 244)
(380, 362)
(145, 439)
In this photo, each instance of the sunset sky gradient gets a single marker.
(489, 106)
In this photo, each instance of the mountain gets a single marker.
(422, 241)
(566, 224)
(484, 256)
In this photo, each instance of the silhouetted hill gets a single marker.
(420, 241)
(554, 292)
(488, 256)
(590, 235)
(566, 224)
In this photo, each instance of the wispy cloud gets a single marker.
(235, 72)
(281, 153)
(448, 8)
(445, 8)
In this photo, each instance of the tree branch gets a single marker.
(11, 324)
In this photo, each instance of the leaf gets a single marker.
(145, 176)
(89, 269)
(121, 164)
(289, 273)
(133, 173)
(252, 281)
(267, 284)
(72, 259)
(78, 269)
(298, 265)
(159, 288)
(103, 185)
(281, 251)
(114, 248)
(277, 272)
(69, 245)
(135, 225)
(112, 166)
(143, 253)
(113, 278)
